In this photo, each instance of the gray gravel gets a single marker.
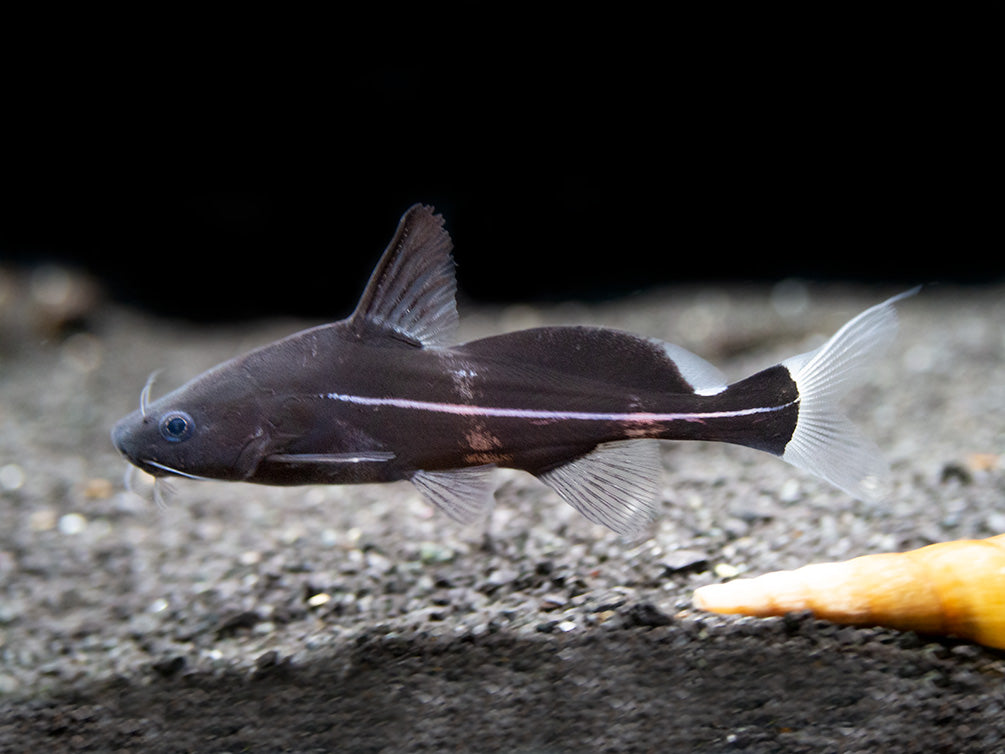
(243, 618)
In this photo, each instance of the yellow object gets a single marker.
(953, 588)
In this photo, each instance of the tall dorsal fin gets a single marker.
(411, 291)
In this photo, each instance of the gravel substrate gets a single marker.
(356, 619)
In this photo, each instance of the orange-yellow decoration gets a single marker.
(953, 588)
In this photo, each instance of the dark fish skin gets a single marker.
(384, 396)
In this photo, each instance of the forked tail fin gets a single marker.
(825, 442)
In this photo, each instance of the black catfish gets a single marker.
(384, 395)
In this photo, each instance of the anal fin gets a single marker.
(615, 485)
(464, 494)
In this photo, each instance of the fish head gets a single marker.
(210, 428)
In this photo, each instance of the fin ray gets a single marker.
(615, 485)
(703, 376)
(464, 494)
(412, 290)
(825, 442)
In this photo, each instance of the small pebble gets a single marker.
(552, 602)
(329, 537)
(170, 666)
(319, 599)
(646, 615)
(726, 571)
(250, 557)
(432, 553)
(953, 471)
(677, 561)
(72, 524)
(790, 492)
(996, 521)
(982, 461)
(11, 477)
(42, 520)
(98, 489)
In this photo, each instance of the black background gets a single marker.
(240, 171)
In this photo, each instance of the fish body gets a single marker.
(385, 395)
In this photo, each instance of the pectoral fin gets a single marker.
(615, 485)
(465, 494)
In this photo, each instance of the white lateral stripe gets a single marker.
(460, 409)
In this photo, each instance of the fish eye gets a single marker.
(176, 426)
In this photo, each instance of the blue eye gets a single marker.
(176, 426)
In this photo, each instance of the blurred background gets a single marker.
(225, 175)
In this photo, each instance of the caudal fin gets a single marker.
(825, 442)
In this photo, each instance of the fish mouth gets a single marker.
(119, 432)
(147, 465)
(121, 439)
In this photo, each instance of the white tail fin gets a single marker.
(824, 441)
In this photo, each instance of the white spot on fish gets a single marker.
(463, 376)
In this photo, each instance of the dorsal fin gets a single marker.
(411, 291)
